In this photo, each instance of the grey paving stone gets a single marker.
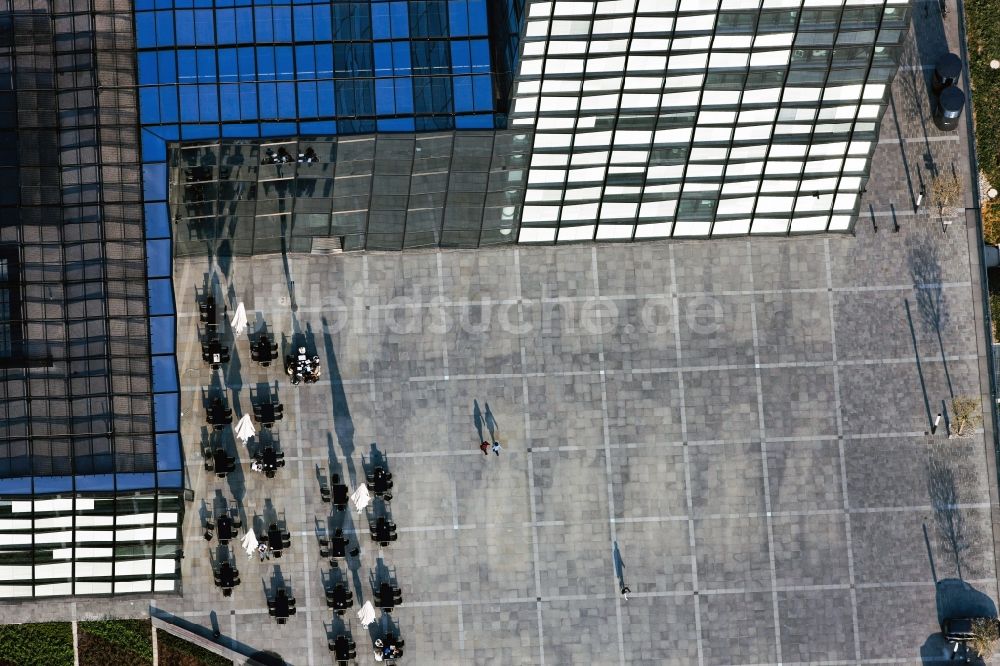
(649, 482)
(732, 553)
(804, 476)
(738, 628)
(879, 638)
(580, 631)
(721, 405)
(668, 640)
(643, 335)
(915, 464)
(794, 328)
(816, 625)
(811, 550)
(727, 478)
(715, 330)
(799, 402)
(656, 556)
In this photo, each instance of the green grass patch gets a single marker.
(115, 642)
(41, 644)
(174, 651)
(995, 314)
(983, 28)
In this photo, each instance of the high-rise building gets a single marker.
(136, 133)
(657, 118)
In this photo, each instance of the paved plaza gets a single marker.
(741, 430)
(744, 420)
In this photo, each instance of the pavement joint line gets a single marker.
(448, 403)
(372, 395)
(606, 435)
(688, 496)
(556, 300)
(763, 456)
(194, 388)
(425, 529)
(658, 594)
(843, 459)
(526, 403)
(304, 548)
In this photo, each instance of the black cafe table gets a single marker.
(338, 597)
(382, 531)
(281, 604)
(225, 526)
(267, 412)
(385, 596)
(269, 458)
(221, 461)
(218, 414)
(340, 494)
(342, 648)
(227, 576)
(381, 481)
(274, 538)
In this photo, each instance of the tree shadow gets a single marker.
(956, 534)
(925, 269)
(920, 369)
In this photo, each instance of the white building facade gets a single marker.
(701, 118)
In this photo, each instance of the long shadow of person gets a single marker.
(477, 419)
(343, 424)
(491, 422)
(619, 566)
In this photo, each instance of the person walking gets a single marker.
(485, 448)
(625, 592)
(496, 448)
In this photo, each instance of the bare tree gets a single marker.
(967, 413)
(985, 634)
(946, 191)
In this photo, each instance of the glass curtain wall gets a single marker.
(384, 192)
(85, 544)
(659, 118)
(85, 408)
(233, 68)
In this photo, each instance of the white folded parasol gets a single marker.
(361, 498)
(366, 614)
(245, 429)
(249, 543)
(240, 320)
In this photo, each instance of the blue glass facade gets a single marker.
(231, 68)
